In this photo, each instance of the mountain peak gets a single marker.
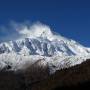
(37, 30)
(38, 39)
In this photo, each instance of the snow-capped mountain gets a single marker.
(41, 43)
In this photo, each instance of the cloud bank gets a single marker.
(15, 30)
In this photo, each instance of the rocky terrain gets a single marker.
(72, 78)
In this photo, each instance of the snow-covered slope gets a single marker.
(41, 43)
(43, 46)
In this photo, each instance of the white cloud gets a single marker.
(18, 30)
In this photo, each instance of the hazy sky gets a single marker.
(70, 18)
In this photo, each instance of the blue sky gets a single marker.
(70, 18)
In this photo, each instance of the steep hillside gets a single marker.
(71, 78)
(75, 77)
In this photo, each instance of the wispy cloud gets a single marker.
(16, 30)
